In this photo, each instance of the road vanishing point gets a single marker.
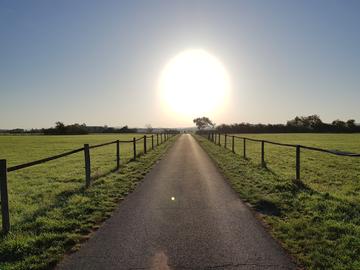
(183, 215)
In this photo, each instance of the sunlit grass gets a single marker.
(318, 219)
(50, 210)
(324, 172)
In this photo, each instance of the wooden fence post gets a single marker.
(263, 154)
(225, 144)
(4, 197)
(134, 147)
(157, 139)
(152, 141)
(87, 165)
(298, 162)
(161, 138)
(145, 144)
(219, 139)
(233, 144)
(117, 154)
(244, 154)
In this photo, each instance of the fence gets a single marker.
(216, 138)
(4, 170)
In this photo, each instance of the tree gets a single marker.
(60, 128)
(339, 124)
(350, 123)
(59, 125)
(203, 122)
(149, 128)
(314, 121)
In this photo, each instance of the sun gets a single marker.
(194, 83)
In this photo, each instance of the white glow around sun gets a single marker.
(194, 83)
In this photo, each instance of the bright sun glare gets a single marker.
(194, 83)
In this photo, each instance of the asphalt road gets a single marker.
(183, 215)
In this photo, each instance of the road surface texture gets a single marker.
(183, 215)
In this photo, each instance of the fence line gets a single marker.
(36, 162)
(4, 170)
(216, 139)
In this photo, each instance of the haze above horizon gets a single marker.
(103, 63)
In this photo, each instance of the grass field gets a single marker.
(323, 172)
(318, 219)
(50, 210)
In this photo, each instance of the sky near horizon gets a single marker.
(99, 62)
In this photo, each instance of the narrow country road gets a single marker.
(182, 216)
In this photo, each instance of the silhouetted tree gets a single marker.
(339, 125)
(60, 127)
(351, 124)
(203, 122)
(149, 128)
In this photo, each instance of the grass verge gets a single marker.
(41, 240)
(320, 230)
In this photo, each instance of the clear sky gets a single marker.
(99, 62)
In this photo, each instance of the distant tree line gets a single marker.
(170, 131)
(106, 129)
(301, 124)
(81, 129)
(73, 129)
(62, 129)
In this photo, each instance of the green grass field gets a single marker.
(318, 219)
(323, 172)
(50, 210)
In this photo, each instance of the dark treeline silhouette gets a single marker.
(170, 131)
(77, 129)
(106, 129)
(301, 124)
(62, 129)
(73, 129)
(81, 129)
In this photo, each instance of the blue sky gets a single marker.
(99, 62)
